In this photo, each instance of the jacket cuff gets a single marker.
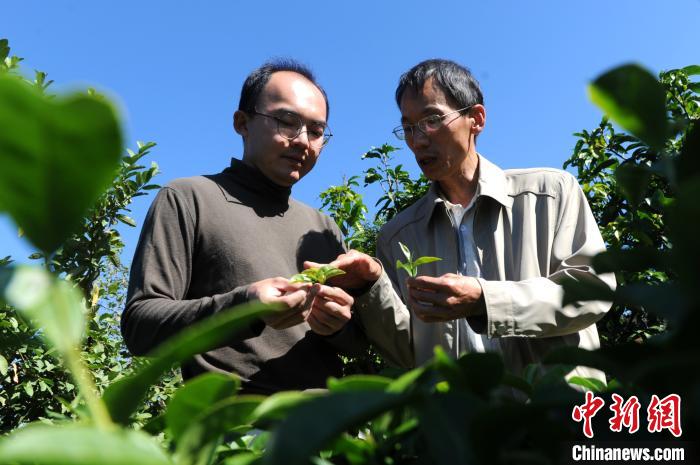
(499, 320)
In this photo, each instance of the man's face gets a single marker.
(440, 154)
(281, 160)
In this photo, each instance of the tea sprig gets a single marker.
(411, 266)
(316, 275)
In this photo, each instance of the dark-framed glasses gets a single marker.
(290, 126)
(426, 125)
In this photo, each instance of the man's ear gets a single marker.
(240, 122)
(478, 116)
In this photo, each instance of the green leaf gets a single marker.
(57, 157)
(688, 163)
(315, 423)
(4, 49)
(77, 444)
(591, 384)
(328, 271)
(277, 406)
(196, 396)
(406, 251)
(482, 372)
(424, 260)
(583, 290)
(205, 429)
(637, 259)
(50, 303)
(692, 70)
(634, 181)
(3, 366)
(124, 396)
(359, 383)
(28, 388)
(633, 98)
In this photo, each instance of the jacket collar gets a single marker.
(492, 183)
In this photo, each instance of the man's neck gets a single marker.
(462, 188)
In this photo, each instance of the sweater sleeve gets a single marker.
(156, 307)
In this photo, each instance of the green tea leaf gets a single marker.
(124, 396)
(51, 303)
(633, 98)
(311, 426)
(634, 181)
(195, 397)
(359, 383)
(278, 405)
(692, 70)
(591, 384)
(57, 157)
(406, 251)
(424, 260)
(78, 444)
(3, 366)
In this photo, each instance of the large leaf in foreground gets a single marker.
(79, 445)
(196, 396)
(57, 157)
(315, 423)
(125, 395)
(635, 100)
(50, 303)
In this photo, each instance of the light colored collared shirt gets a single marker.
(530, 229)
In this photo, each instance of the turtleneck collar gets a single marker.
(254, 180)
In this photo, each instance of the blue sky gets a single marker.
(175, 69)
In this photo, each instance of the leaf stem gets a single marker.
(86, 385)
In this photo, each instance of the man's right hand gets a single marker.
(360, 269)
(294, 298)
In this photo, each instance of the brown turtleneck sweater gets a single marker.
(205, 239)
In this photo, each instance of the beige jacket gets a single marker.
(532, 229)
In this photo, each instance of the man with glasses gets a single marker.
(212, 242)
(507, 239)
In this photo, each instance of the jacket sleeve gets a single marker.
(156, 306)
(533, 307)
(384, 317)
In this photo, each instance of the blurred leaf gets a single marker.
(3, 366)
(359, 383)
(277, 406)
(424, 260)
(591, 384)
(124, 396)
(444, 422)
(57, 157)
(634, 99)
(196, 396)
(78, 444)
(4, 49)
(634, 181)
(692, 70)
(312, 425)
(206, 428)
(51, 303)
(482, 372)
(688, 163)
(637, 259)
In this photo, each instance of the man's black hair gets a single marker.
(255, 82)
(456, 81)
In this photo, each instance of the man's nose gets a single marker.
(419, 138)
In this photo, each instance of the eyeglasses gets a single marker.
(427, 125)
(289, 126)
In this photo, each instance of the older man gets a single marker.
(507, 239)
(211, 242)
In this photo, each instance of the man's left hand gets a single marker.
(445, 298)
(330, 310)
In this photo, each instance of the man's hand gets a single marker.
(294, 298)
(330, 310)
(445, 298)
(360, 270)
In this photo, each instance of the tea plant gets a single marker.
(316, 275)
(410, 266)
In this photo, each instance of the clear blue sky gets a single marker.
(176, 69)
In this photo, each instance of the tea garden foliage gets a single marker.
(448, 411)
(33, 382)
